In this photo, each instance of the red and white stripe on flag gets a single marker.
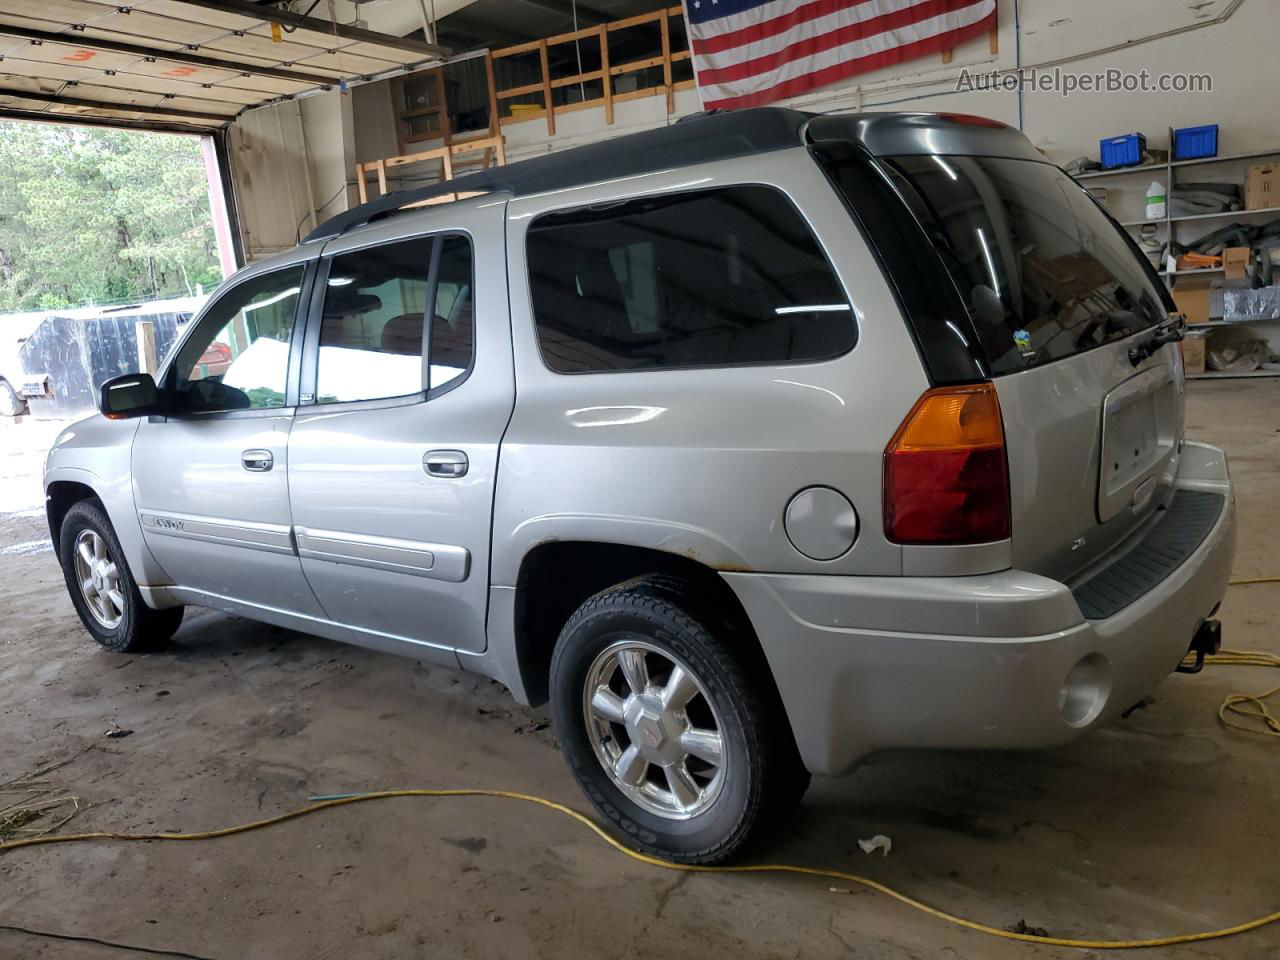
(751, 52)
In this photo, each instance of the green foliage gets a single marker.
(101, 216)
(265, 397)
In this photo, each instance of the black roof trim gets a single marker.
(911, 134)
(705, 138)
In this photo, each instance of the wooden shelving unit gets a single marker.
(491, 151)
(516, 99)
(421, 110)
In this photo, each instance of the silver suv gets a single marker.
(755, 444)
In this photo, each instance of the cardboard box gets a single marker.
(1192, 295)
(1235, 262)
(1192, 347)
(1262, 187)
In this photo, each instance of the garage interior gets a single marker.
(1157, 824)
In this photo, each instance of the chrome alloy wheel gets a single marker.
(654, 729)
(99, 579)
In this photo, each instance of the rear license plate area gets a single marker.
(1138, 424)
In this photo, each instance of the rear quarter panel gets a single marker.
(702, 463)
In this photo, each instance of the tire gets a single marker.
(666, 686)
(10, 403)
(111, 608)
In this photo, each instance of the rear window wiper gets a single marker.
(1170, 331)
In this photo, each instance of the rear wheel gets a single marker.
(102, 587)
(666, 729)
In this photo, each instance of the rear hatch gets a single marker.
(1057, 296)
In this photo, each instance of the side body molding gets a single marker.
(272, 537)
(438, 561)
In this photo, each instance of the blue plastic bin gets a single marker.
(1123, 151)
(1191, 143)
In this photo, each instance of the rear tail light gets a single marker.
(946, 477)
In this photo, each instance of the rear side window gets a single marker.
(714, 278)
(377, 328)
(1045, 274)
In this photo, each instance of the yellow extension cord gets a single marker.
(1227, 657)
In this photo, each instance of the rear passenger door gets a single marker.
(407, 386)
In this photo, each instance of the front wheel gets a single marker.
(102, 587)
(665, 727)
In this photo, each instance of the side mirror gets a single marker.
(133, 395)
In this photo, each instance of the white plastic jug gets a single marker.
(1156, 206)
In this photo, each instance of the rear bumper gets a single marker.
(999, 661)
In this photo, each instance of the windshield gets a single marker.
(1044, 273)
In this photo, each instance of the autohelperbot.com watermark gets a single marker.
(1068, 82)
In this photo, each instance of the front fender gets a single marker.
(97, 453)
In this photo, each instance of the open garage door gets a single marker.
(188, 65)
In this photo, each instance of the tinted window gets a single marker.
(372, 327)
(1044, 272)
(238, 357)
(375, 320)
(714, 278)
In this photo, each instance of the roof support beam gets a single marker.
(218, 118)
(172, 56)
(283, 17)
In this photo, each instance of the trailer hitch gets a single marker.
(1208, 640)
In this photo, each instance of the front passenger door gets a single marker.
(210, 477)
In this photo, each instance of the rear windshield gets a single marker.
(1044, 272)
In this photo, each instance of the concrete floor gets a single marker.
(1159, 824)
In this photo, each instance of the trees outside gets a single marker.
(101, 216)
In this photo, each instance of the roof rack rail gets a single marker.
(396, 202)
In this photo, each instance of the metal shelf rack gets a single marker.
(1168, 223)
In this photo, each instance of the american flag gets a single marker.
(751, 52)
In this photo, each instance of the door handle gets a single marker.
(445, 463)
(257, 461)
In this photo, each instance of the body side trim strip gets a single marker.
(272, 537)
(437, 561)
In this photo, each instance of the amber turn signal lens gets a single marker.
(950, 418)
(946, 477)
